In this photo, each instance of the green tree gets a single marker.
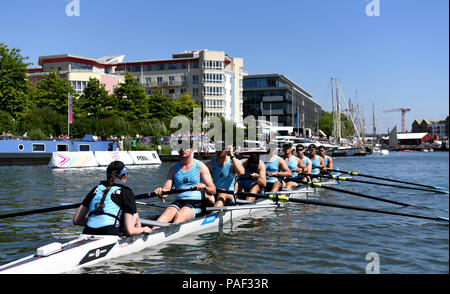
(161, 106)
(132, 101)
(95, 101)
(326, 124)
(14, 86)
(52, 92)
(184, 105)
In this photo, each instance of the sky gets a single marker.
(396, 58)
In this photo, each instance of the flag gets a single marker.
(70, 108)
(296, 118)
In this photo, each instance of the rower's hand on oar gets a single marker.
(200, 187)
(146, 230)
(254, 176)
(159, 193)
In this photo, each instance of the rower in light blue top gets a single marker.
(187, 173)
(224, 169)
(295, 165)
(316, 160)
(327, 160)
(276, 169)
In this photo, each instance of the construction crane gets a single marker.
(403, 110)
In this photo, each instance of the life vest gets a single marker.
(103, 213)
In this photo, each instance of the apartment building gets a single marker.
(212, 77)
(77, 70)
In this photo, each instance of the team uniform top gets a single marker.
(292, 164)
(187, 179)
(272, 167)
(223, 177)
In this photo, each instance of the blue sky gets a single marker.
(397, 59)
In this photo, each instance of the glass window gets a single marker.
(160, 67)
(38, 148)
(172, 66)
(84, 147)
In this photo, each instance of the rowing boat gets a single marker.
(87, 250)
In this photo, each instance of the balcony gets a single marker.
(167, 84)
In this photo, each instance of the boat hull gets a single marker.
(88, 250)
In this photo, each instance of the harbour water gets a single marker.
(292, 239)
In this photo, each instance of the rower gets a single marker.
(276, 168)
(300, 150)
(316, 161)
(185, 174)
(254, 178)
(224, 168)
(327, 160)
(110, 207)
(294, 164)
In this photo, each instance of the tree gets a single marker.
(132, 101)
(95, 101)
(14, 86)
(326, 124)
(185, 105)
(52, 92)
(161, 106)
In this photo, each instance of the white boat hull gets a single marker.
(88, 250)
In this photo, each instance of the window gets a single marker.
(171, 80)
(62, 147)
(38, 148)
(214, 104)
(79, 86)
(195, 79)
(160, 67)
(195, 92)
(149, 67)
(213, 64)
(213, 91)
(172, 66)
(136, 68)
(148, 80)
(80, 67)
(184, 65)
(159, 80)
(84, 147)
(213, 78)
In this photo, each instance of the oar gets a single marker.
(76, 205)
(318, 185)
(352, 173)
(384, 184)
(282, 198)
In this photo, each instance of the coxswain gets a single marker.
(185, 174)
(224, 168)
(110, 207)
